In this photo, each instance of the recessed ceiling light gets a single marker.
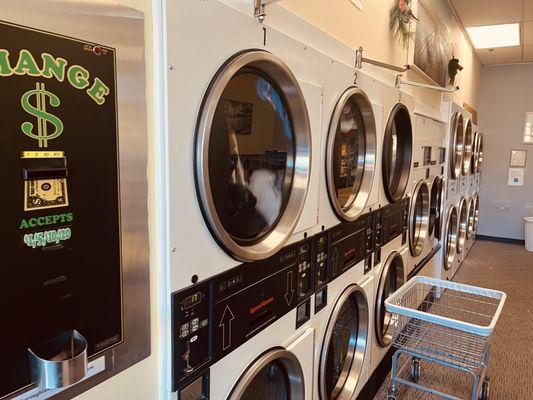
(492, 36)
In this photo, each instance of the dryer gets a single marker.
(245, 333)
(243, 177)
(455, 144)
(447, 257)
(351, 142)
(468, 153)
(427, 192)
(397, 145)
(343, 309)
(462, 231)
(389, 276)
(470, 232)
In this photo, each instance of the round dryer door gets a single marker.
(475, 154)
(397, 153)
(435, 206)
(468, 144)
(392, 278)
(479, 152)
(344, 346)
(456, 149)
(419, 218)
(470, 223)
(476, 212)
(450, 239)
(253, 155)
(277, 374)
(463, 225)
(351, 154)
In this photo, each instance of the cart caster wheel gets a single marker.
(415, 370)
(389, 397)
(485, 390)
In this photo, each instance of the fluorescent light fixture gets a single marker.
(492, 36)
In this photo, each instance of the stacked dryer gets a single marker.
(343, 307)
(459, 140)
(242, 272)
(473, 188)
(427, 194)
(392, 253)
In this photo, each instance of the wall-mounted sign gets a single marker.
(518, 158)
(516, 177)
(528, 129)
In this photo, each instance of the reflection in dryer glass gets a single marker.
(270, 383)
(393, 155)
(251, 155)
(349, 153)
(341, 348)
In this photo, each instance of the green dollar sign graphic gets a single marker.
(43, 117)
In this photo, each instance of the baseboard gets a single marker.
(500, 239)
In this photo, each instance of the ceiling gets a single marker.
(493, 12)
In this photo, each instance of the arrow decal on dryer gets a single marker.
(289, 294)
(225, 324)
(335, 261)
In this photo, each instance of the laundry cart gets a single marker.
(445, 323)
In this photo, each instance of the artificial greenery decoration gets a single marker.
(400, 20)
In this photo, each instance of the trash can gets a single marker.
(529, 233)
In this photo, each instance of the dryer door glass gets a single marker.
(463, 225)
(270, 383)
(456, 149)
(344, 346)
(252, 159)
(435, 207)
(349, 153)
(419, 219)
(476, 212)
(451, 239)
(468, 144)
(392, 278)
(251, 153)
(351, 150)
(397, 153)
(277, 374)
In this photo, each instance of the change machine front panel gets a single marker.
(65, 223)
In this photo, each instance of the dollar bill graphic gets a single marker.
(45, 193)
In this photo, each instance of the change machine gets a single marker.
(73, 261)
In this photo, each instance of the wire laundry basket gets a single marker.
(445, 322)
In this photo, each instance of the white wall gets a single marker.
(141, 382)
(505, 95)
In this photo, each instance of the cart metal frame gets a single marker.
(445, 323)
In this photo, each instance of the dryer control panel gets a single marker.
(214, 317)
(391, 221)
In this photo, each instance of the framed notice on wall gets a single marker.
(528, 129)
(518, 158)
